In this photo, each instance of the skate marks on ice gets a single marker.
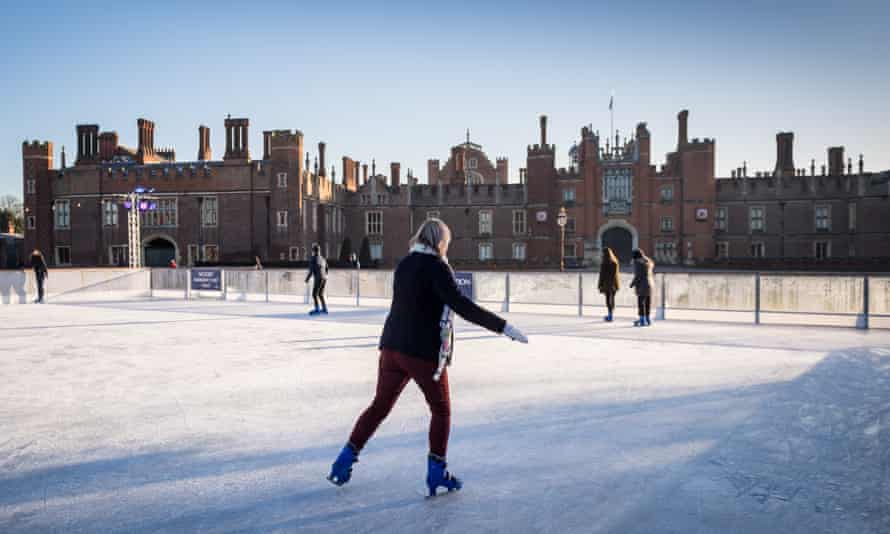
(815, 458)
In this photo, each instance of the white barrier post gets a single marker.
(756, 298)
(188, 284)
(223, 281)
(862, 320)
(580, 296)
(266, 283)
(507, 293)
(660, 312)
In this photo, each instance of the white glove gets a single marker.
(513, 333)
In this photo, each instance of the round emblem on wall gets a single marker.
(701, 214)
(542, 216)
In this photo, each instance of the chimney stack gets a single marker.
(237, 133)
(394, 174)
(861, 164)
(835, 161)
(321, 166)
(87, 143)
(785, 154)
(365, 171)
(107, 145)
(682, 126)
(543, 131)
(203, 143)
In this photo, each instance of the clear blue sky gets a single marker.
(401, 81)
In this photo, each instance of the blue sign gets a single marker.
(465, 283)
(206, 280)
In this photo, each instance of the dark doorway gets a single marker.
(159, 252)
(621, 242)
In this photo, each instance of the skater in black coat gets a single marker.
(41, 273)
(643, 282)
(609, 280)
(416, 345)
(318, 270)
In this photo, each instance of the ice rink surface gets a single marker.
(203, 416)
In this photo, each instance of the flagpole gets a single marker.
(612, 115)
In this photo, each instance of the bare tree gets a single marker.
(10, 202)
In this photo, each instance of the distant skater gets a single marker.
(258, 266)
(643, 282)
(609, 281)
(318, 270)
(416, 345)
(41, 273)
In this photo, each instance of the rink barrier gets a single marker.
(830, 299)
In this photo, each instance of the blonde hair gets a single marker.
(432, 233)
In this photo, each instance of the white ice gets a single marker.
(203, 416)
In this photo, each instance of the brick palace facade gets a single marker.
(275, 207)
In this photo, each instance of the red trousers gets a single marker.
(394, 372)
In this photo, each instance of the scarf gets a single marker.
(446, 322)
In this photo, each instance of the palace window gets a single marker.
(377, 251)
(569, 251)
(568, 194)
(63, 214)
(164, 215)
(617, 190)
(31, 187)
(485, 224)
(474, 163)
(667, 224)
(667, 193)
(756, 219)
(211, 253)
(570, 225)
(519, 251)
(758, 250)
(486, 251)
(209, 215)
(314, 217)
(109, 211)
(282, 180)
(432, 215)
(31, 222)
(822, 250)
(119, 255)
(722, 250)
(666, 250)
(374, 223)
(823, 218)
(720, 218)
(63, 255)
(281, 218)
(192, 254)
(293, 253)
(519, 222)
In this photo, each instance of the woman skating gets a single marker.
(416, 341)
(41, 273)
(609, 281)
(643, 282)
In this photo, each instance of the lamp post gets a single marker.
(137, 202)
(561, 221)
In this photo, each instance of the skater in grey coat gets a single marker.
(643, 282)
(318, 269)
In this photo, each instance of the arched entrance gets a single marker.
(621, 237)
(159, 251)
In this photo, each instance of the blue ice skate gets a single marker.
(341, 470)
(324, 311)
(640, 322)
(648, 322)
(315, 312)
(608, 318)
(437, 475)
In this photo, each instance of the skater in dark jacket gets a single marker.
(609, 280)
(41, 273)
(643, 282)
(416, 345)
(318, 270)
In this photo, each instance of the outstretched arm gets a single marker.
(446, 289)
